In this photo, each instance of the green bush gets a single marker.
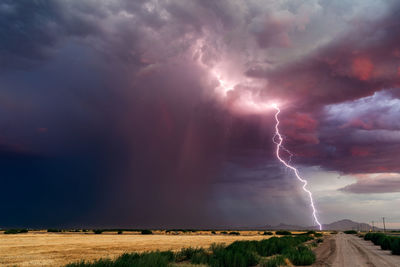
(97, 231)
(149, 259)
(276, 261)
(147, 232)
(234, 233)
(237, 254)
(268, 233)
(186, 254)
(120, 232)
(386, 243)
(53, 230)
(213, 232)
(300, 255)
(275, 245)
(15, 231)
(350, 232)
(396, 246)
(200, 258)
(318, 234)
(283, 233)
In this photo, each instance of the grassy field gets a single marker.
(272, 252)
(40, 248)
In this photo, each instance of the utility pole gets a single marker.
(384, 226)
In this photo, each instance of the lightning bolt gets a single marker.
(280, 147)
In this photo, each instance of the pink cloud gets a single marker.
(357, 123)
(362, 68)
(373, 183)
(360, 151)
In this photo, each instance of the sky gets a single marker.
(156, 113)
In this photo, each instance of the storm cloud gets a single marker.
(141, 113)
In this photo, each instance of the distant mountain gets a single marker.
(347, 225)
(335, 226)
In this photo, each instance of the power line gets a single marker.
(384, 225)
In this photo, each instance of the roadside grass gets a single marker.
(386, 242)
(276, 261)
(271, 252)
(300, 255)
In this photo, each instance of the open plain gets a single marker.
(40, 248)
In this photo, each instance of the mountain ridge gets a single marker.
(341, 225)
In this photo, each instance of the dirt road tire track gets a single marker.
(344, 250)
(326, 253)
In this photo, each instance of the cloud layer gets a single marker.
(135, 113)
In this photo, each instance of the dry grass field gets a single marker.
(57, 249)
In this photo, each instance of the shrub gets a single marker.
(15, 231)
(396, 246)
(276, 261)
(268, 233)
(300, 255)
(149, 259)
(318, 234)
(120, 232)
(283, 233)
(147, 232)
(213, 232)
(53, 230)
(311, 232)
(97, 231)
(224, 232)
(237, 254)
(350, 232)
(386, 243)
(234, 233)
(200, 258)
(187, 253)
(194, 255)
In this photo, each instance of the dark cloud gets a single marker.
(31, 30)
(114, 109)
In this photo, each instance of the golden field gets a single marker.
(40, 248)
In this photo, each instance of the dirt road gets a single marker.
(343, 250)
